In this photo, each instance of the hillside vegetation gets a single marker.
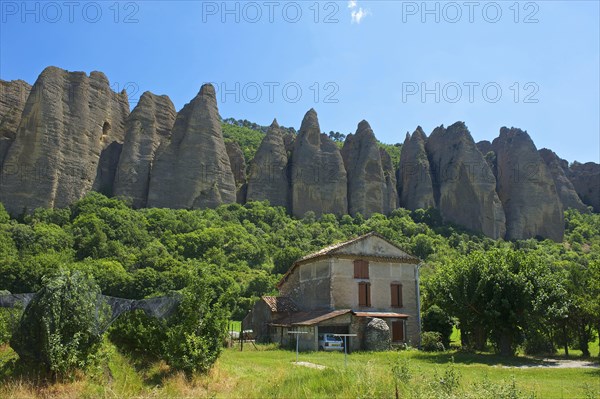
(544, 293)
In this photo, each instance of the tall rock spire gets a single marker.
(268, 177)
(148, 126)
(193, 170)
(318, 176)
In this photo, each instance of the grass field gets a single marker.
(270, 373)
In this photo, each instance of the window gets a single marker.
(396, 295)
(364, 294)
(361, 269)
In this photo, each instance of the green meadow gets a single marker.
(268, 372)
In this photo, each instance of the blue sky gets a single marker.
(397, 64)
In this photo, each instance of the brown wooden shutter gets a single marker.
(397, 331)
(361, 268)
(400, 302)
(362, 294)
(368, 293)
(394, 291)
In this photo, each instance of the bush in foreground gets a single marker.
(59, 329)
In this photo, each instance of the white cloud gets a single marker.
(357, 16)
(352, 4)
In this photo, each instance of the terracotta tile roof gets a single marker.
(331, 250)
(279, 304)
(328, 250)
(309, 318)
(381, 315)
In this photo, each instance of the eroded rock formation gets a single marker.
(193, 170)
(148, 126)
(368, 190)
(238, 168)
(390, 188)
(526, 188)
(268, 176)
(69, 119)
(414, 176)
(566, 192)
(463, 184)
(317, 173)
(13, 95)
(70, 133)
(586, 181)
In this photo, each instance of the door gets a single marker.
(397, 331)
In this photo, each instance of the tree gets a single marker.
(500, 293)
(456, 289)
(584, 307)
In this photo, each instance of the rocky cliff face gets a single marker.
(147, 127)
(318, 177)
(390, 186)
(289, 140)
(70, 133)
(13, 96)
(414, 178)
(463, 184)
(526, 188)
(367, 185)
(484, 147)
(107, 169)
(566, 192)
(586, 181)
(193, 170)
(268, 176)
(238, 168)
(69, 119)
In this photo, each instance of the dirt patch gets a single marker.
(559, 364)
(309, 365)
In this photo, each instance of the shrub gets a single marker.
(538, 344)
(195, 334)
(431, 341)
(190, 340)
(8, 321)
(437, 320)
(59, 329)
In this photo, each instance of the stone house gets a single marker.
(340, 289)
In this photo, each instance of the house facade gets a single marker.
(340, 289)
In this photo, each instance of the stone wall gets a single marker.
(261, 316)
(309, 286)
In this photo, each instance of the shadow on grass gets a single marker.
(153, 372)
(17, 372)
(488, 359)
(594, 373)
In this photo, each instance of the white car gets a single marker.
(329, 342)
